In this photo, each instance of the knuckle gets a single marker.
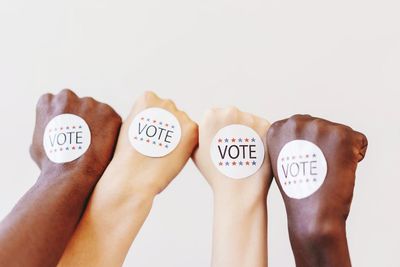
(43, 101)
(168, 103)
(45, 98)
(66, 92)
(149, 95)
(88, 99)
(65, 96)
(232, 110)
(209, 112)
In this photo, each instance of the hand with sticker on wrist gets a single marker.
(314, 163)
(154, 144)
(231, 156)
(73, 142)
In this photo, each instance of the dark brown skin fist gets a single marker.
(317, 223)
(103, 121)
(37, 230)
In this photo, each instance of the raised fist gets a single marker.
(239, 160)
(155, 142)
(232, 157)
(314, 163)
(73, 133)
(73, 142)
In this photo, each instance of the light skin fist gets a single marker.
(240, 212)
(215, 119)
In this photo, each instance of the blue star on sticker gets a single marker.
(226, 140)
(253, 139)
(160, 123)
(148, 119)
(253, 162)
(240, 140)
(240, 163)
(226, 163)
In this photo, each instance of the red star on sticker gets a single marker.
(233, 140)
(166, 125)
(246, 139)
(148, 140)
(220, 140)
(154, 121)
(141, 118)
(234, 163)
(220, 164)
(247, 163)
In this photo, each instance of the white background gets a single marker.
(336, 59)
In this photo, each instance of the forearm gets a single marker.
(239, 231)
(38, 228)
(111, 221)
(320, 244)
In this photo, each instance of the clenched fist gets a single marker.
(154, 144)
(73, 142)
(237, 151)
(165, 146)
(314, 163)
(103, 125)
(232, 157)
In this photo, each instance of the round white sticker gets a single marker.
(155, 132)
(237, 151)
(301, 168)
(66, 137)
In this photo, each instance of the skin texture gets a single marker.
(240, 212)
(38, 228)
(317, 223)
(123, 198)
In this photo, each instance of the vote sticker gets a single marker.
(66, 137)
(237, 151)
(155, 132)
(301, 168)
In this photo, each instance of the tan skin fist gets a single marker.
(215, 119)
(103, 122)
(156, 173)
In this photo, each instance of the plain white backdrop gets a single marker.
(336, 59)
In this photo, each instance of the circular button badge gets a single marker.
(66, 137)
(237, 151)
(301, 168)
(155, 132)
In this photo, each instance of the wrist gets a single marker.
(236, 201)
(321, 231)
(318, 241)
(124, 180)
